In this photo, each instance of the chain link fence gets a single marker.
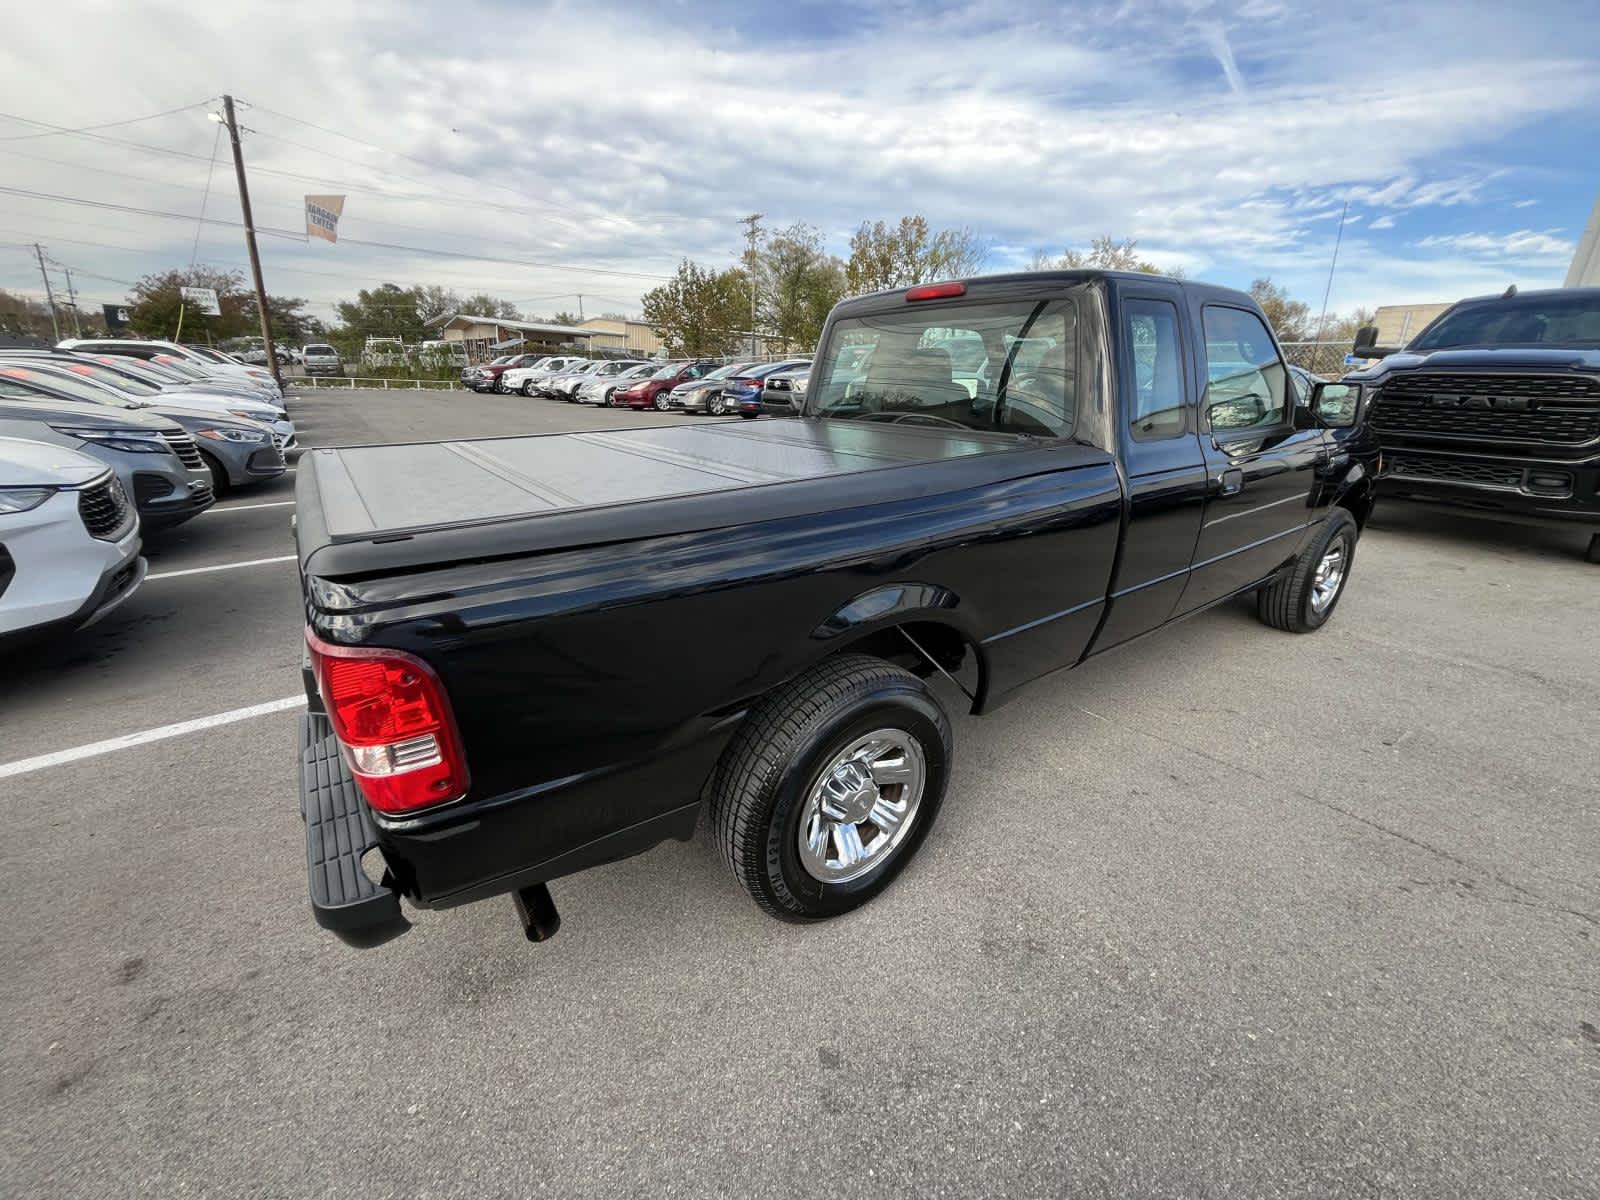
(1323, 358)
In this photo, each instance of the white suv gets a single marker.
(69, 540)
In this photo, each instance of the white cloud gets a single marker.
(1524, 203)
(626, 150)
(1525, 245)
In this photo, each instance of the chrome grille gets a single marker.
(183, 446)
(104, 508)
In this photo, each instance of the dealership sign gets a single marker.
(116, 316)
(204, 300)
(322, 217)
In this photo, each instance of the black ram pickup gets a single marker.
(1494, 409)
(527, 656)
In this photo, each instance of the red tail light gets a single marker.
(393, 721)
(936, 291)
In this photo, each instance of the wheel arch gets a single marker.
(908, 624)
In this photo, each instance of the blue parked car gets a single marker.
(743, 393)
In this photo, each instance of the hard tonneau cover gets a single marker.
(359, 506)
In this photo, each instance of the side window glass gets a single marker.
(1247, 383)
(1153, 340)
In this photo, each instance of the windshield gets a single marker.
(728, 371)
(1004, 366)
(111, 378)
(670, 371)
(181, 367)
(1572, 320)
(64, 385)
(137, 368)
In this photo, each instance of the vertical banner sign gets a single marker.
(204, 300)
(322, 217)
(116, 316)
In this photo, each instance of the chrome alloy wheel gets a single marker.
(861, 805)
(1330, 575)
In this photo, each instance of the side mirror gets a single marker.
(1336, 405)
(1367, 344)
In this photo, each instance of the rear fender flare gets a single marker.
(901, 604)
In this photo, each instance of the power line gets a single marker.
(436, 166)
(56, 130)
(294, 236)
(328, 180)
(194, 253)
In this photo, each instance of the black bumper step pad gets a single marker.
(339, 831)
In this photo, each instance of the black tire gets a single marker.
(1286, 603)
(760, 785)
(527, 388)
(661, 401)
(1593, 553)
(717, 406)
(749, 416)
(220, 486)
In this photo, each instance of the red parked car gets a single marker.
(487, 377)
(652, 392)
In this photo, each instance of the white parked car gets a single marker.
(600, 390)
(69, 540)
(526, 379)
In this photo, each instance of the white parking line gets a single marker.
(233, 566)
(24, 765)
(247, 507)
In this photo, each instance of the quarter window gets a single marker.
(1246, 383)
(1153, 341)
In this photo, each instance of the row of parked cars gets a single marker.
(698, 385)
(102, 441)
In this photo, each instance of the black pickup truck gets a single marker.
(527, 656)
(1494, 409)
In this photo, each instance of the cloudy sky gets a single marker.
(539, 151)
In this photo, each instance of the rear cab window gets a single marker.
(1004, 366)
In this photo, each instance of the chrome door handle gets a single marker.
(1232, 481)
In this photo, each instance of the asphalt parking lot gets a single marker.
(1225, 913)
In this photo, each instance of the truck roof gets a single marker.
(1024, 282)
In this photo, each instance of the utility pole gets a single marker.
(250, 237)
(72, 302)
(580, 308)
(752, 233)
(48, 294)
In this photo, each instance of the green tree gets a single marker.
(291, 325)
(798, 284)
(1105, 253)
(700, 312)
(565, 318)
(481, 304)
(1290, 319)
(387, 310)
(156, 301)
(434, 302)
(884, 256)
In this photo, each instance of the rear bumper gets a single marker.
(339, 834)
(1526, 491)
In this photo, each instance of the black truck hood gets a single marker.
(1487, 358)
(366, 509)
